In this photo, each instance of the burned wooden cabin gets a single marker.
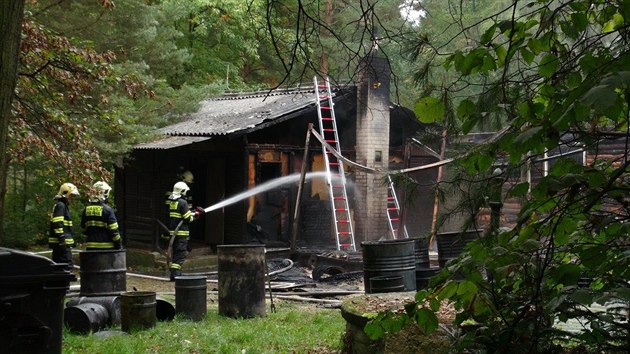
(237, 141)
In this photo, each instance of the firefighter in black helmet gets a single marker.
(99, 221)
(60, 234)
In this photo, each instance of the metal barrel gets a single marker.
(391, 257)
(137, 309)
(423, 275)
(386, 284)
(111, 303)
(241, 281)
(86, 318)
(103, 272)
(451, 244)
(191, 296)
(421, 252)
(164, 310)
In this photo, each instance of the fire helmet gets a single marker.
(179, 189)
(187, 176)
(66, 190)
(102, 190)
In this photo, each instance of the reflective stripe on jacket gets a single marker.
(60, 224)
(99, 223)
(178, 211)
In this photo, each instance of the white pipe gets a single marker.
(283, 269)
(50, 251)
(147, 276)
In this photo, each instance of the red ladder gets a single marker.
(393, 212)
(335, 176)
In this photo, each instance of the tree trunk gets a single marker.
(328, 19)
(11, 15)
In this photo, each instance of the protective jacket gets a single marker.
(60, 232)
(178, 211)
(101, 227)
(167, 200)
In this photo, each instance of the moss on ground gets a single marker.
(410, 339)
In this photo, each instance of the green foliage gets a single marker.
(95, 79)
(429, 109)
(548, 70)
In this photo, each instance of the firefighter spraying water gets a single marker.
(180, 217)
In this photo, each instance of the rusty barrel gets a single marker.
(241, 281)
(86, 317)
(191, 296)
(111, 303)
(389, 258)
(103, 272)
(137, 310)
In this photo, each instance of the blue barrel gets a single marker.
(389, 258)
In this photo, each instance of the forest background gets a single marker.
(97, 77)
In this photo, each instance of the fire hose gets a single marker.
(169, 249)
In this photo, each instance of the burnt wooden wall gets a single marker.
(417, 203)
(235, 231)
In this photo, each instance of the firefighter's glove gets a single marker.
(117, 245)
(197, 213)
(62, 241)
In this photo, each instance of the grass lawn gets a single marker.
(292, 328)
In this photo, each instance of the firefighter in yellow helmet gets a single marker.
(99, 221)
(60, 238)
(187, 177)
(180, 218)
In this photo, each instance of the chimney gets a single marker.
(372, 147)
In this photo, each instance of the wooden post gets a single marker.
(436, 201)
(296, 215)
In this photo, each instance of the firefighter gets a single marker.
(180, 217)
(99, 221)
(60, 234)
(186, 177)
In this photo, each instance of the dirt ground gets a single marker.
(291, 281)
